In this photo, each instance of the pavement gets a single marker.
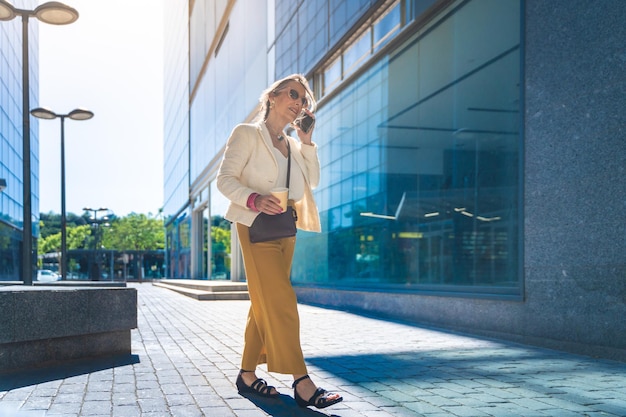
(186, 353)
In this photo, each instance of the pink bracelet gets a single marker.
(250, 202)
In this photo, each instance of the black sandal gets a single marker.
(258, 387)
(318, 400)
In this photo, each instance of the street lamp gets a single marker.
(95, 213)
(76, 114)
(96, 225)
(54, 13)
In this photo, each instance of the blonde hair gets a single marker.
(280, 85)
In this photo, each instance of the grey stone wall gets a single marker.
(575, 170)
(50, 325)
(575, 195)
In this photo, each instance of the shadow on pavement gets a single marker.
(492, 362)
(62, 371)
(284, 406)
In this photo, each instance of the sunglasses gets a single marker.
(294, 95)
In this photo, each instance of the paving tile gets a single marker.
(464, 411)
(126, 411)
(423, 407)
(615, 407)
(153, 405)
(96, 408)
(217, 412)
(188, 355)
(65, 409)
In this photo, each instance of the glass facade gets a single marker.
(228, 70)
(176, 137)
(420, 147)
(11, 134)
(418, 128)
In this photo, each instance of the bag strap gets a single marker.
(288, 162)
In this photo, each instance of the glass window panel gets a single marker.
(386, 26)
(335, 194)
(346, 165)
(347, 213)
(356, 53)
(373, 154)
(334, 218)
(373, 182)
(346, 191)
(220, 236)
(332, 75)
(438, 179)
(206, 244)
(360, 186)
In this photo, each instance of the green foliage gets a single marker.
(221, 239)
(51, 243)
(77, 238)
(134, 232)
(50, 223)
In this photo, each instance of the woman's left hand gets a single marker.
(268, 204)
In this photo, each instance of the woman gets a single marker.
(254, 162)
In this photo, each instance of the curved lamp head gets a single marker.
(56, 13)
(43, 113)
(80, 114)
(76, 114)
(7, 11)
(52, 12)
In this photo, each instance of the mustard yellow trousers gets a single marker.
(272, 332)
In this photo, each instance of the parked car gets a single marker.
(46, 275)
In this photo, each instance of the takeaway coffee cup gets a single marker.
(282, 194)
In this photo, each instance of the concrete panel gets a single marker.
(6, 317)
(46, 325)
(47, 352)
(112, 309)
(46, 313)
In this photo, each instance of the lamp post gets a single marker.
(54, 13)
(76, 114)
(96, 225)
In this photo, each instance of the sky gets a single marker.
(109, 61)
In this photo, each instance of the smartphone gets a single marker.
(305, 122)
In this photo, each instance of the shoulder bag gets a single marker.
(268, 227)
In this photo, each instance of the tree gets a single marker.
(221, 239)
(50, 223)
(134, 232)
(76, 238)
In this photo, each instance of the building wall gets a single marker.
(419, 138)
(230, 67)
(573, 201)
(176, 136)
(544, 157)
(575, 187)
(11, 157)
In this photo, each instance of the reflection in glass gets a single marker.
(421, 163)
(357, 53)
(386, 26)
(206, 242)
(332, 75)
(220, 262)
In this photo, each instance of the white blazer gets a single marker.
(249, 166)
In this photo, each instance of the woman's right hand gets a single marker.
(268, 204)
